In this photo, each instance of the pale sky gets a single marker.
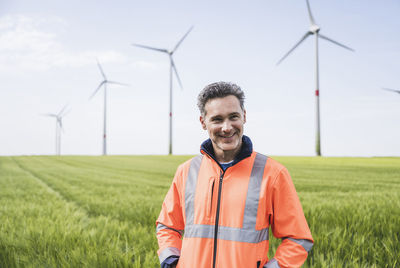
(48, 53)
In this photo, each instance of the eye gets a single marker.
(216, 120)
(234, 117)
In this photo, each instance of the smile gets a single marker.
(227, 137)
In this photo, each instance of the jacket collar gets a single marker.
(245, 151)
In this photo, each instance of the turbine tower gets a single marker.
(314, 30)
(172, 69)
(393, 90)
(59, 127)
(104, 85)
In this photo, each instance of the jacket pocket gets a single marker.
(211, 187)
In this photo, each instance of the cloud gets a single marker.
(29, 44)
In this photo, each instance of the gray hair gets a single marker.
(219, 90)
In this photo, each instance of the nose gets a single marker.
(226, 126)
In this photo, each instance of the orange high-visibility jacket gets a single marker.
(224, 217)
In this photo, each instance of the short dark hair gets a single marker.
(219, 90)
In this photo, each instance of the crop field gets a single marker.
(82, 211)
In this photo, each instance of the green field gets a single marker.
(80, 211)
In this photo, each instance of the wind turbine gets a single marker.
(104, 84)
(59, 127)
(393, 90)
(314, 30)
(172, 69)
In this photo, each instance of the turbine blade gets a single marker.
(52, 115)
(97, 89)
(59, 122)
(117, 83)
(310, 14)
(393, 90)
(293, 48)
(336, 43)
(176, 73)
(101, 70)
(180, 41)
(65, 113)
(62, 110)
(152, 48)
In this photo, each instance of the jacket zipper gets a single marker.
(217, 218)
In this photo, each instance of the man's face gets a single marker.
(224, 119)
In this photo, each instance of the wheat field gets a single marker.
(91, 211)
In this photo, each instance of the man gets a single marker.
(224, 201)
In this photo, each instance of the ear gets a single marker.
(202, 121)
(244, 116)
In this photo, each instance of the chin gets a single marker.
(229, 147)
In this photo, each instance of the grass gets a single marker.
(81, 211)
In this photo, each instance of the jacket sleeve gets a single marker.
(289, 224)
(170, 223)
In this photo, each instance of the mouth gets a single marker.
(227, 137)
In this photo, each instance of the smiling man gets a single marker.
(223, 118)
(222, 203)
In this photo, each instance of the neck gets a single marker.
(226, 156)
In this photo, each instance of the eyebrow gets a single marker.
(216, 117)
(220, 116)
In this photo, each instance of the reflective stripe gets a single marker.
(306, 244)
(168, 252)
(161, 226)
(247, 233)
(273, 263)
(190, 188)
(253, 192)
(227, 233)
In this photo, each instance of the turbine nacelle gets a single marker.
(314, 28)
